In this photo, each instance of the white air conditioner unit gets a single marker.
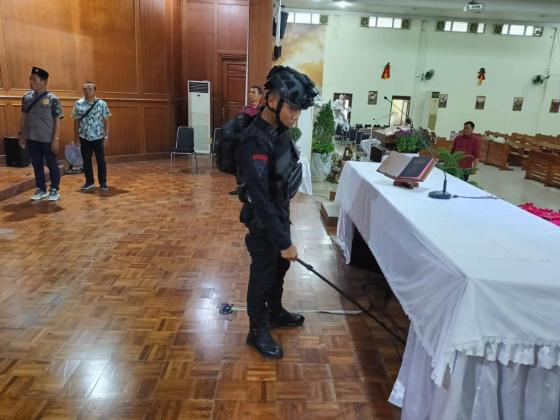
(199, 114)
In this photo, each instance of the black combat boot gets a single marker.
(259, 337)
(283, 318)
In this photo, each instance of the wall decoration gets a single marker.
(480, 102)
(555, 106)
(517, 103)
(386, 72)
(481, 75)
(372, 97)
(442, 100)
(303, 49)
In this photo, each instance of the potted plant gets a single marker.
(407, 142)
(450, 164)
(295, 134)
(322, 143)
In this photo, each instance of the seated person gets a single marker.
(253, 101)
(468, 143)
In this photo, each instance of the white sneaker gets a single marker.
(54, 194)
(39, 194)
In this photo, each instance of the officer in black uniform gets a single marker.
(271, 174)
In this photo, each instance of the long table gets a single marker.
(479, 280)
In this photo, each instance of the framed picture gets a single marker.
(555, 106)
(372, 97)
(442, 100)
(517, 103)
(480, 102)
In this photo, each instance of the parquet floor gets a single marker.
(109, 310)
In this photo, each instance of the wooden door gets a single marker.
(234, 73)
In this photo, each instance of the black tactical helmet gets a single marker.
(294, 87)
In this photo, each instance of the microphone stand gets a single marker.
(440, 195)
(378, 119)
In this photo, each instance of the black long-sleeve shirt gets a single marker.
(260, 146)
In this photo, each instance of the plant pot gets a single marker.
(320, 166)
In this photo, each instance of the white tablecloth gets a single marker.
(306, 187)
(477, 277)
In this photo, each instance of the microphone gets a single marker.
(443, 194)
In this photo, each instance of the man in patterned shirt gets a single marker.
(91, 131)
(39, 129)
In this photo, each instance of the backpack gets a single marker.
(225, 147)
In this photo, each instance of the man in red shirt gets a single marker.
(254, 101)
(468, 143)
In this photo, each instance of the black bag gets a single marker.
(37, 99)
(225, 148)
(89, 110)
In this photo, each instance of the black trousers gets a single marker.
(38, 153)
(266, 279)
(95, 146)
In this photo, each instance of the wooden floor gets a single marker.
(109, 309)
(15, 180)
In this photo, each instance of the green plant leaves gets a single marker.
(323, 131)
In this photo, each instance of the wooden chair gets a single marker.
(492, 152)
(544, 167)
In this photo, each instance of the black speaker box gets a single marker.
(15, 154)
(375, 154)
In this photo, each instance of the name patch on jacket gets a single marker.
(260, 162)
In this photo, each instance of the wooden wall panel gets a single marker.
(154, 24)
(212, 30)
(67, 123)
(125, 130)
(132, 49)
(198, 40)
(14, 115)
(37, 35)
(176, 44)
(260, 41)
(158, 135)
(232, 27)
(107, 44)
(4, 130)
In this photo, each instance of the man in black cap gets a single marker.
(39, 130)
(271, 175)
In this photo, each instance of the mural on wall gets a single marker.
(372, 97)
(303, 49)
(517, 103)
(442, 100)
(555, 106)
(480, 102)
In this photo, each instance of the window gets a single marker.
(400, 106)
(385, 22)
(307, 18)
(461, 26)
(518, 30)
(458, 26)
